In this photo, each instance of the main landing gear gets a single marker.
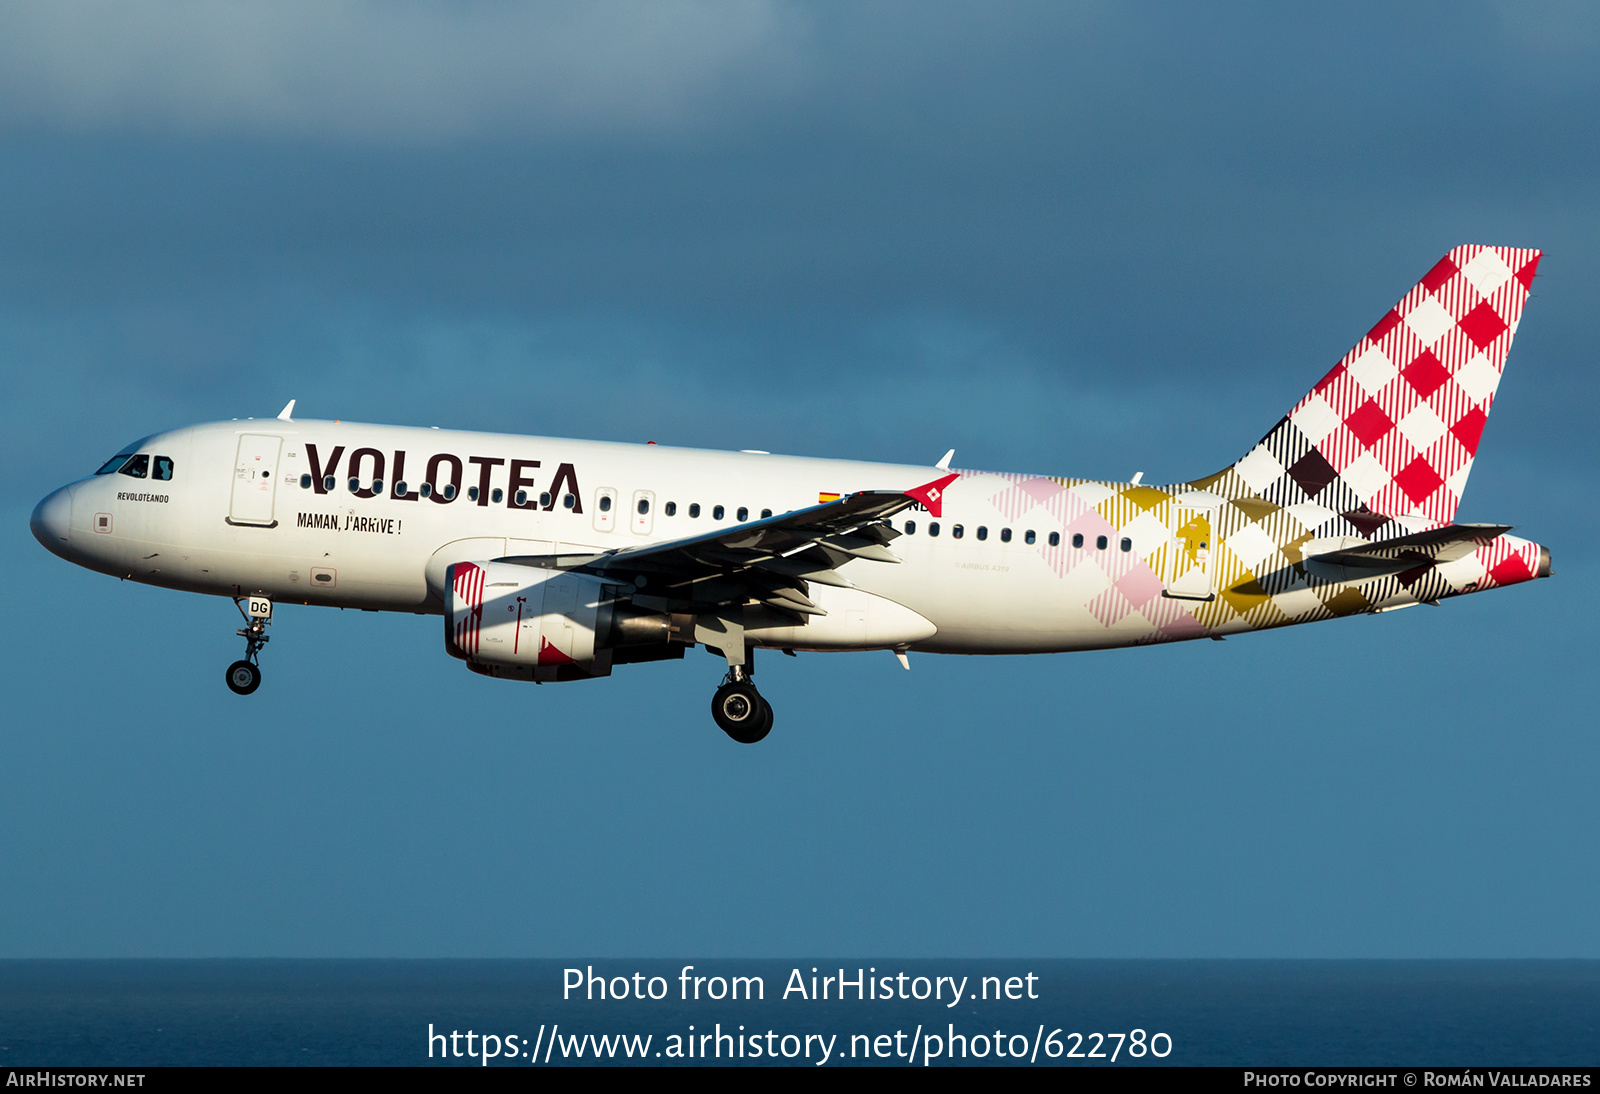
(739, 709)
(245, 676)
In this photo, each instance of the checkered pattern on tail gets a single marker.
(1392, 430)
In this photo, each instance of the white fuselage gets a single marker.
(340, 549)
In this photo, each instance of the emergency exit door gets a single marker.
(1189, 555)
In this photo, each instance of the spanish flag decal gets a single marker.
(826, 497)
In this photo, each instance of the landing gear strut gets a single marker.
(245, 676)
(739, 709)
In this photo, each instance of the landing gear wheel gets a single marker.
(741, 712)
(243, 678)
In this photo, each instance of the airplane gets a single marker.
(554, 560)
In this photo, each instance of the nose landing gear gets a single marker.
(739, 710)
(245, 676)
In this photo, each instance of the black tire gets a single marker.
(741, 712)
(766, 722)
(243, 678)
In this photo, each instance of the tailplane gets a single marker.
(1393, 429)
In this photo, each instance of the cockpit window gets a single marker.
(114, 462)
(138, 467)
(163, 469)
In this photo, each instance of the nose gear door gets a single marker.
(255, 480)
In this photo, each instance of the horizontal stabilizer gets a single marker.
(1428, 548)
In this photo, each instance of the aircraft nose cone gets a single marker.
(51, 522)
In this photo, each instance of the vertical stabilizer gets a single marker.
(1393, 429)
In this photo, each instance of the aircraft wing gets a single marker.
(769, 560)
(1436, 545)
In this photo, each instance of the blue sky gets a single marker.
(1080, 239)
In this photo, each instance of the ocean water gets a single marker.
(1240, 1013)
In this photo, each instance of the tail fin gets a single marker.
(1394, 427)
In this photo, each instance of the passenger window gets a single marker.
(605, 503)
(472, 493)
(544, 499)
(716, 512)
(765, 513)
(521, 498)
(672, 509)
(956, 531)
(355, 484)
(305, 482)
(743, 514)
(911, 527)
(568, 500)
(933, 527)
(694, 509)
(1127, 544)
(449, 491)
(1005, 535)
(400, 489)
(1028, 537)
(113, 463)
(377, 486)
(497, 495)
(644, 506)
(1100, 543)
(1055, 539)
(163, 470)
(426, 489)
(1077, 539)
(137, 468)
(983, 531)
(328, 483)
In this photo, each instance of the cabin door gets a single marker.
(255, 480)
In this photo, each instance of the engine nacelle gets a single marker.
(523, 623)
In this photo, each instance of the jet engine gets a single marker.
(521, 622)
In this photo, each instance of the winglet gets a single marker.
(944, 464)
(931, 494)
(286, 414)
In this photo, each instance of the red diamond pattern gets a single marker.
(1525, 275)
(1510, 570)
(1442, 271)
(1469, 430)
(1419, 480)
(1385, 325)
(1425, 374)
(1369, 423)
(1483, 325)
